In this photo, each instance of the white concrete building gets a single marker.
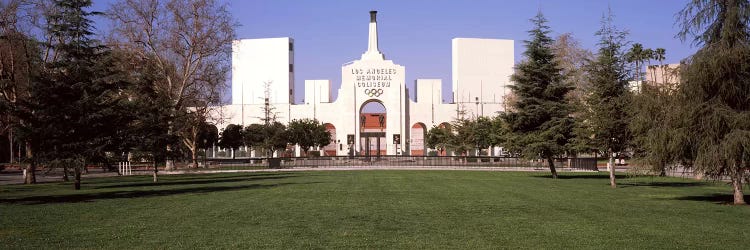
(480, 74)
(481, 71)
(256, 62)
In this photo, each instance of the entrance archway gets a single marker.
(330, 149)
(372, 122)
(416, 142)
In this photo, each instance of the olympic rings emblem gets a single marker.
(373, 92)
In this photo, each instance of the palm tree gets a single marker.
(660, 55)
(648, 54)
(636, 55)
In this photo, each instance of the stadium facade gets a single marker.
(263, 75)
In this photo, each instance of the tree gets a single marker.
(604, 120)
(192, 123)
(73, 107)
(189, 41)
(208, 135)
(231, 137)
(274, 138)
(266, 138)
(439, 137)
(464, 135)
(253, 136)
(652, 116)
(500, 132)
(485, 131)
(660, 55)
(20, 64)
(572, 58)
(637, 55)
(148, 132)
(714, 126)
(308, 133)
(649, 55)
(541, 123)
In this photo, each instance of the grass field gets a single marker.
(373, 209)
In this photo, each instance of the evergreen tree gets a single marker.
(73, 114)
(540, 123)
(604, 122)
(713, 96)
(151, 115)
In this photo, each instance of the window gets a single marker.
(291, 67)
(291, 47)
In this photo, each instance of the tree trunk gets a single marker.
(65, 174)
(194, 152)
(169, 165)
(30, 176)
(10, 143)
(662, 170)
(611, 165)
(31, 168)
(739, 197)
(156, 172)
(77, 182)
(552, 169)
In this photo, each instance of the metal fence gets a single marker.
(403, 161)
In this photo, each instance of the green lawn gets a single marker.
(373, 209)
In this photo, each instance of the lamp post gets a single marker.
(205, 152)
(476, 112)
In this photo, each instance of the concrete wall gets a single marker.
(481, 73)
(257, 61)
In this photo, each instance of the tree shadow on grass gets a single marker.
(197, 181)
(581, 176)
(90, 197)
(661, 184)
(713, 198)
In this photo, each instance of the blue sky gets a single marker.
(417, 34)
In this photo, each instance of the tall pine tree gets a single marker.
(540, 124)
(604, 120)
(73, 110)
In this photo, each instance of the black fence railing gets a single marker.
(403, 161)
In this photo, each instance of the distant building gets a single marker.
(256, 62)
(663, 75)
(481, 74)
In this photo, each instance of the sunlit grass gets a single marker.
(373, 209)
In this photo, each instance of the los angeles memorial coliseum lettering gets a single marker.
(374, 78)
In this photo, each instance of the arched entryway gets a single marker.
(372, 128)
(416, 142)
(330, 149)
